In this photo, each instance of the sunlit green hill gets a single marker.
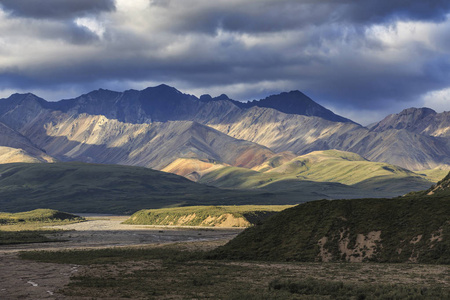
(332, 166)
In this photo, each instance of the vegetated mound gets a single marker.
(378, 230)
(216, 216)
(37, 215)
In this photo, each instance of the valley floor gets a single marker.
(21, 279)
(143, 276)
(109, 232)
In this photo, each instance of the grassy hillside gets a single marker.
(381, 230)
(435, 174)
(219, 216)
(27, 227)
(37, 215)
(345, 168)
(80, 187)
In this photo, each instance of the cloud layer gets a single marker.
(351, 55)
(56, 9)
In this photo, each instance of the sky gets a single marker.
(362, 59)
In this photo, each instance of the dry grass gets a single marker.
(184, 274)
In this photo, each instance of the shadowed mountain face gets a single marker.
(295, 102)
(418, 120)
(164, 103)
(137, 127)
(157, 104)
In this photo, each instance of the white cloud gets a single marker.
(92, 24)
(438, 100)
(132, 6)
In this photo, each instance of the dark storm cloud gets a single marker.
(375, 11)
(272, 16)
(359, 54)
(380, 90)
(56, 9)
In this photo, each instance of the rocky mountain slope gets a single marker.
(14, 147)
(12, 155)
(302, 134)
(285, 122)
(293, 102)
(418, 120)
(95, 138)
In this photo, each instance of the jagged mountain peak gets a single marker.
(209, 98)
(102, 92)
(20, 97)
(28, 104)
(296, 102)
(162, 88)
(206, 98)
(164, 102)
(222, 97)
(164, 94)
(410, 119)
(423, 111)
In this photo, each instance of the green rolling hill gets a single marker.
(80, 187)
(331, 166)
(96, 188)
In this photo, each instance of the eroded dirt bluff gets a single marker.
(378, 230)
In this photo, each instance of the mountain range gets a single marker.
(165, 129)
